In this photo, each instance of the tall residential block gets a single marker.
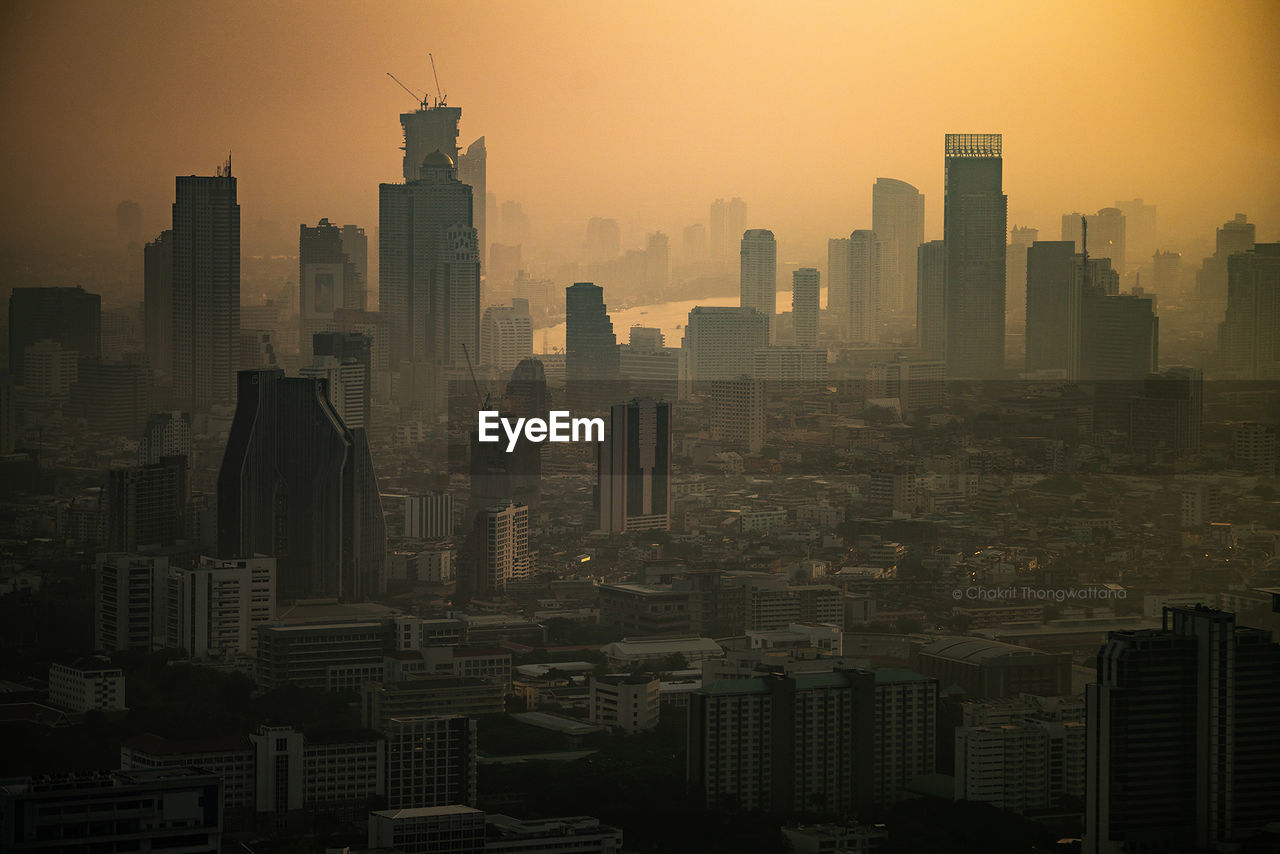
(720, 340)
(758, 272)
(897, 217)
(805, 296)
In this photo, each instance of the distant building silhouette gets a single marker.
(758, 273)
(70, 316)
(931, 299)
(728, 222)
(1249, 337)
(975, 220)
(866, 269)
(633, 484)
(1106, 235)
(1140, 228)
(1053, 285)
(1238, 235)
(806, 290)
(1015, 272)
(157, 283)
(592, 372)
(298, 485)
(1165, 418)
(472, 170)
(328, 280)
(897, 218)
(506, 336)
(147, 505)
(167, 434)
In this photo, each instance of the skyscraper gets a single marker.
(931, 299)
(805, 294)
(603, 240)
(728, 222)
(69, 316)
(429, 129)
(298, 485)
(1181, 748)
(975, 222)
(838, 281)
(472, 169)
(1015, 274)
(591, 364)
(506, 335)
(897, 218)
(1106, 235)
(633, 485)
(1249, 337)
(866, 252)
(429, 277)
(1140, 227)
(157, 278)
(328, 280)
(206, 290)
(1233, 237)
(720, 340)
(1053, 308)
(758, 273)
(1167, 273)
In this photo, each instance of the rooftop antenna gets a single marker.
(224, 171)
(439, 97)
(421, 99)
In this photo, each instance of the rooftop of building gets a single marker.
(428, 812)
(557, 723)
(975, 649)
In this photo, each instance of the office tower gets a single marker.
(506, 336)
(897, 218)
(157, 301)
(126, 591)
(328, 280)
(838, 281)
(720, 340)
(298, 485)
(1120, 346)
(633, 484)
(805, 294)
(1167, 275)
(1053, 283)
(695, 243)
(591, 365)
(1015, 273)
(431, 761)
(147, 505)
(1167, 415)
(69, 316)
(657, 261)
(345, 361)
(603, 240)
(1140, 227)
(931, 299)
(1181, 746)
(171, 809)
(429, 275)
(213, 610)
(1249, 337)
(498, 551)
(472, 169)
(758, 273)
(429, 129)
(112, 394)
(728, 222)
(1238, 235)
(866, 256)
(1106, 235)
(167, 434)
(836, 742)
(738, 412)
(975, 219)
(206, 290)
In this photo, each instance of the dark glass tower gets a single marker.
(591, 364)
(975, 223)
(1053, 300)
(633, 486)
(296, 484)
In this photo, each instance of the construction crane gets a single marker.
(483, 401)
(439, 97)
(421, 99)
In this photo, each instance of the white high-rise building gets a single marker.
(865, 269)
(758, 280)
(805, 295)
(897, 217)
(503, 547)
(214, 610)
(506, 336)
(737, 412)
(345, 382)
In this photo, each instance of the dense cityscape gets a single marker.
(445, 533)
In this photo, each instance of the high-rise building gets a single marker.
(167, 434)
(633, 484)
(838, 283)
(69, 316)
(758, 273)
(429, 268)
(355, 244)
(111, 394)
(8, 416)
(738, 412)
(1140, 227)
(728, 222)
(344, 361)
(657, 261)
(472, 170)
(429, 129)
(1106, 235)
(506, 336)
(866, 269)
(298, 485)
(1181, 745)
(897, 218)
(498, 551)
(1167, 416)
(1120, 347)
(328, 280)
(603, 240)
(1166, 272)
(146, 505)
(206, 290)
(157, 302)
(805, 296)
(720, 340)
(591, 363)
(1053, 285)
(1015, 274)
(694, 243)
(431, 761)
(1254, 447)
(1249, 337)
(127, 590)
(1238, 235)
(213, 610)
(975, 222)
(931, 299)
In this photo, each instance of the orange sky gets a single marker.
(645, 111)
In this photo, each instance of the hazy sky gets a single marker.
(644, 111)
